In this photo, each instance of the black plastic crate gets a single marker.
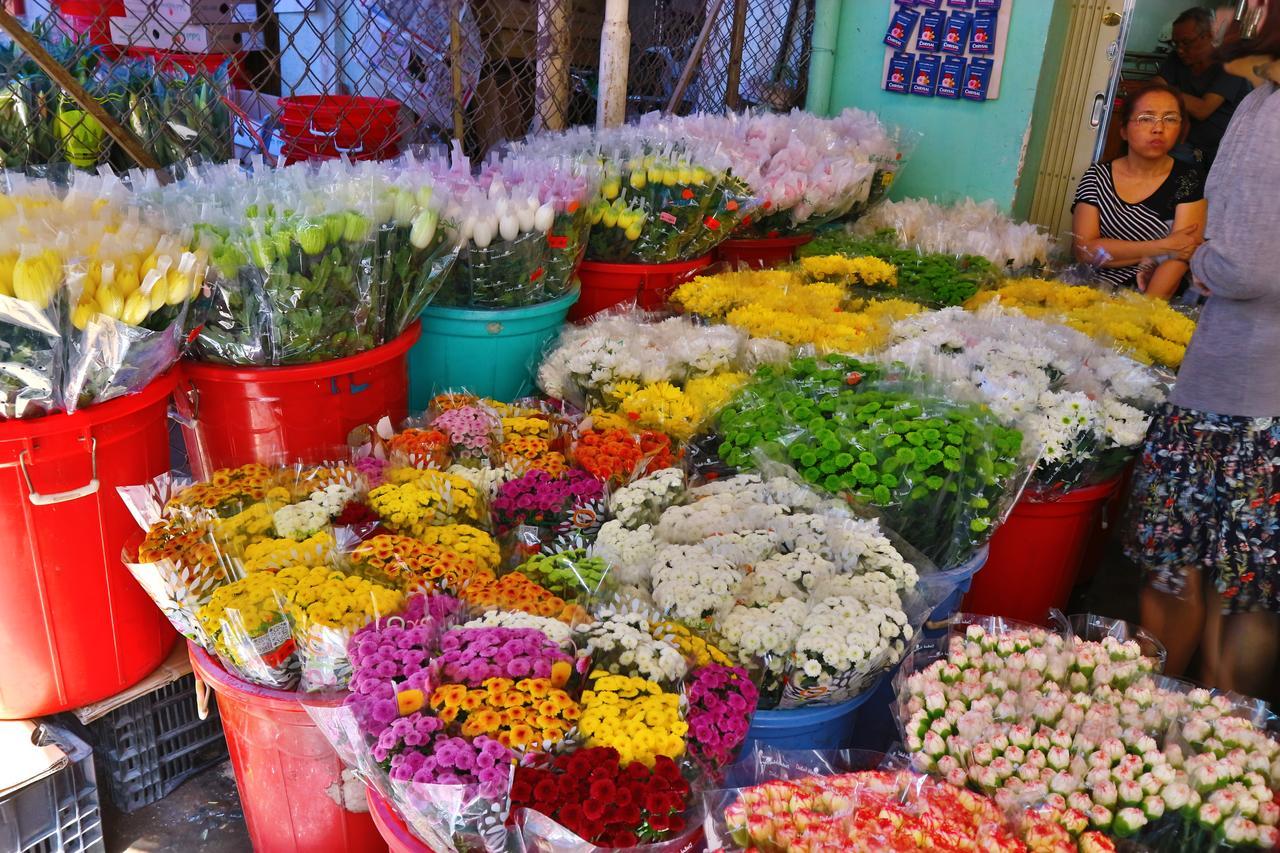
(150, 746)
(59, 813)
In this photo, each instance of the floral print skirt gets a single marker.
(1206, 495)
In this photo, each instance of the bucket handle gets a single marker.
(89, 488)
(356, 149)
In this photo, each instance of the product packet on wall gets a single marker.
(960, 4)
(977, 78)
(924, 80)
(956, 34)
(986, 4)
(931, 24)
(899, 77)
(932, 4)
(951, 77)
(900, 27)
(983, 38)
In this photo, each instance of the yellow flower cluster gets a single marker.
(269, 555)
(329, 598)
(228, 489)
(678, 412)
(517, 425)
(520, 714)
(414, 500)
(465, 541)
(253, 603)
(867, 271)
(634, 716)
(1148, 329)
(252, 524)
(782, 305)
(697, 650)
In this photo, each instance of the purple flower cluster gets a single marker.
(373, 470)
(482, 764)
(471, 655)
(721, 702)
(472, 431)
(391, 655)
(539, 499)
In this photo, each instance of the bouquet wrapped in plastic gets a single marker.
(1081, 731)
(94, 293)
(312, 262)
(1081, 408)
(523, 225)
(940, 472)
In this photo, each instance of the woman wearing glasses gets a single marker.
(1138, 218)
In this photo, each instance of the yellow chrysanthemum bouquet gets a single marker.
(1149, 330)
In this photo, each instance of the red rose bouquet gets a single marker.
(606, 804)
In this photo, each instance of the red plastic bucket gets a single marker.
(1036, 555)
(327, 126)
(236, 415)
(647, 285)
(289, 777)
(74, 626)
(398, 836)
(759, 253)
(192, 63)
(91, 18)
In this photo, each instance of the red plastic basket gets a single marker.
(328, 126)
(760, 252)
(647, 285)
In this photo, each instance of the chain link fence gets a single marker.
(292, 79)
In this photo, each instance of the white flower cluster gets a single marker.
(965, 228)
(630, 553)
(644, 500)
(765, 634)
(1070, 397)
(307, 517)
(621, 643)
(555, 630)
(692, 583)
(487, 478)
(844, 634)
(589, 361)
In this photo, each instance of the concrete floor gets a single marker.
(202, 816)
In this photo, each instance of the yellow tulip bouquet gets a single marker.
(94, 294)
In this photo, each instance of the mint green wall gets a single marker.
(966, 149)
(1042, 109)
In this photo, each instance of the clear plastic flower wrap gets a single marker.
(941, 474)
(1081, 408)
(93, 293)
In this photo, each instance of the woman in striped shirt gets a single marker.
(1140, 216)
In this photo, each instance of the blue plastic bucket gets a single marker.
(963, 576)
(826, 727)
(489, 353)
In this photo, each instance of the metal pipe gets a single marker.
(552, 90)
(615, 54)
(822, 56)
(733, 86)
(455, 69)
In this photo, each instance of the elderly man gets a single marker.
(1211, 94)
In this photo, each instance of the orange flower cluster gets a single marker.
(520, 714)
(422, 447)
(617, 455)
(448, 402)
(533, 452)
(516, 592)
(413, 564)
(229, 489)
(185, 542)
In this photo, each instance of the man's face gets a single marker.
(1193, 43)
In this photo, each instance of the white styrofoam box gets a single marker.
(193, 11)
(191, 38)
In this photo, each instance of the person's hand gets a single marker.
(1183, 242)
(1145, 272)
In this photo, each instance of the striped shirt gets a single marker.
(1149, 219)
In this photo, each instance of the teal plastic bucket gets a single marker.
(489, 353)
(826, 727)
(963, 577)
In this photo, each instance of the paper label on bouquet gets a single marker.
(900, 27)
(899, 72)
(956, 35)
(925, 78)
(931, 24)
(669, 218)
(557, 241)
(951, 77)
(983, 38)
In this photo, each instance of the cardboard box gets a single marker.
(191, 38)
(180, 13)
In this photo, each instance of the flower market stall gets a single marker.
(484, 546)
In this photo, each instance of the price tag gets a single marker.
(668, 218)
(558, 241)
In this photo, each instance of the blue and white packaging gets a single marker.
(900, 27)
(951, 77)
(977, 78)
(931, 24)
(983, 38)
(899, 77)
(955, 36)
(924, 80)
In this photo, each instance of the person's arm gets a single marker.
(1201, 108)
(1089, 244)
(1166, 278)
